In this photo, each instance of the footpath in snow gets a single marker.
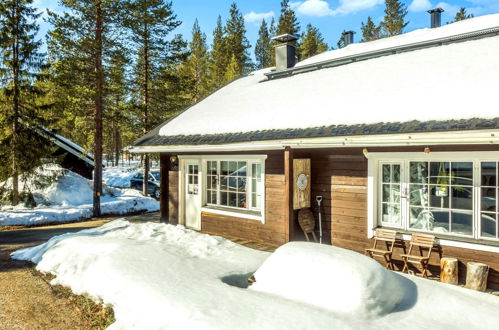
(69, 198)
(164, 276)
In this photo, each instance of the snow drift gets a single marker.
(158, 276)
(330, 277)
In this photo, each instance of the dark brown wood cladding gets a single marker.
(173, 198)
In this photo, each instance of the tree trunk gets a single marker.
(15, 118)
(449, 271)
(145, 100)
(99, 104)
(476, 276)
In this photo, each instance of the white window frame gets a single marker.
(375, 161)
(247, 213)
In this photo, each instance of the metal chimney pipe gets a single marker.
(348, 37)
(285, 51)
(436, 17)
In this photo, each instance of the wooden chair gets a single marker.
(387, 236)
(307, 223)
(422, 242)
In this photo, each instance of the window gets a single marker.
(234, 184)
(454, 194)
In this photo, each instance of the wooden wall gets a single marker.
(340, 176)
(173, 198)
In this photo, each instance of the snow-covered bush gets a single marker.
(331, 278)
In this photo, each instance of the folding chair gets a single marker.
(387, 236)
(422, 241)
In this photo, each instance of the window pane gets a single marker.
(488, 200)
(395, 213)
(241, 169)
(419, 172)
(241, 184)
(386, 193)
(462, 173)
(224, 168)
(385, 215)
(418, 195)
(462, 222)
(440, 219)
(439, 196)
(257, 170)
(420, 218)
(439, 172)
(232, 184)
(233, 199)
(489, 225)
(223, 199)
(386, 173)
(232, 168)
(241, 200)
(462, 198)
(212, 167)
(395, 173)
(489, 174)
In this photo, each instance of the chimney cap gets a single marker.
(285, 38)
(348, 32)
(435, 10)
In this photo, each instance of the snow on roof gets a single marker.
(455, 81)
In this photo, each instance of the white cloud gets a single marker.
(322, 8)
(419, 5)
(257, 17)
(449, 9)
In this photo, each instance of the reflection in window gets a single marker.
(441, 196)
(390, 191)
(488, 200)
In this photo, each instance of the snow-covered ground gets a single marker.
(158, 276)
(118, 177)
(69, 198)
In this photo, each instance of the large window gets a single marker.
(450, 195)
(234, 184)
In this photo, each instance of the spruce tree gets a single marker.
(149, 23)
(218, 61)
(288, 22)
(341, 42)
(312, 43)
(21, 105)
(237, 44)
(370, 31)
(263, 47)
(197, 63)
(81, 41)
(462, 15)
(272, 34)
(393, 22)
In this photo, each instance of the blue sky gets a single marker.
(330, 16)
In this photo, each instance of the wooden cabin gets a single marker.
(399, 133)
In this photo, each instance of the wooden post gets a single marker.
(449, 271)
(164, 200)
(288, 177)
(476, 276)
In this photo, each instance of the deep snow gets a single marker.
(163, 276)
(69, 198)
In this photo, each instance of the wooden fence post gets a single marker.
(476, 276)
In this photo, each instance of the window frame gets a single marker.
(375, 162)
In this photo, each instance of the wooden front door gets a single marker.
(192, 192)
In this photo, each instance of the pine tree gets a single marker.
(233, 69)
(197, 63)
(288, 22)
(312, 43)
(462, 15)
(149, 23)
(237, 44)
(263, 47)
(272, 34)
(393, 22)
(81, 41)
(21, 105)
(370, 31)
(218, 61)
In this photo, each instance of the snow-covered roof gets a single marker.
(454, 83)
(68, 145)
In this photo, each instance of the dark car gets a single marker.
(152, 184)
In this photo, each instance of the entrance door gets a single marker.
(192, 191)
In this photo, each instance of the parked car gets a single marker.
(152, 184)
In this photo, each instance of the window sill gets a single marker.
(454, 241)
(245, 214)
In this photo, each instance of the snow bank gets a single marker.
(332, 278)
(118, 177)
(69, 198)
(158, 276)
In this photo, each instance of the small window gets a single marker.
(488, 200)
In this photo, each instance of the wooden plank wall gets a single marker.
(173, 197)
(274, 230)
(340, 176)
